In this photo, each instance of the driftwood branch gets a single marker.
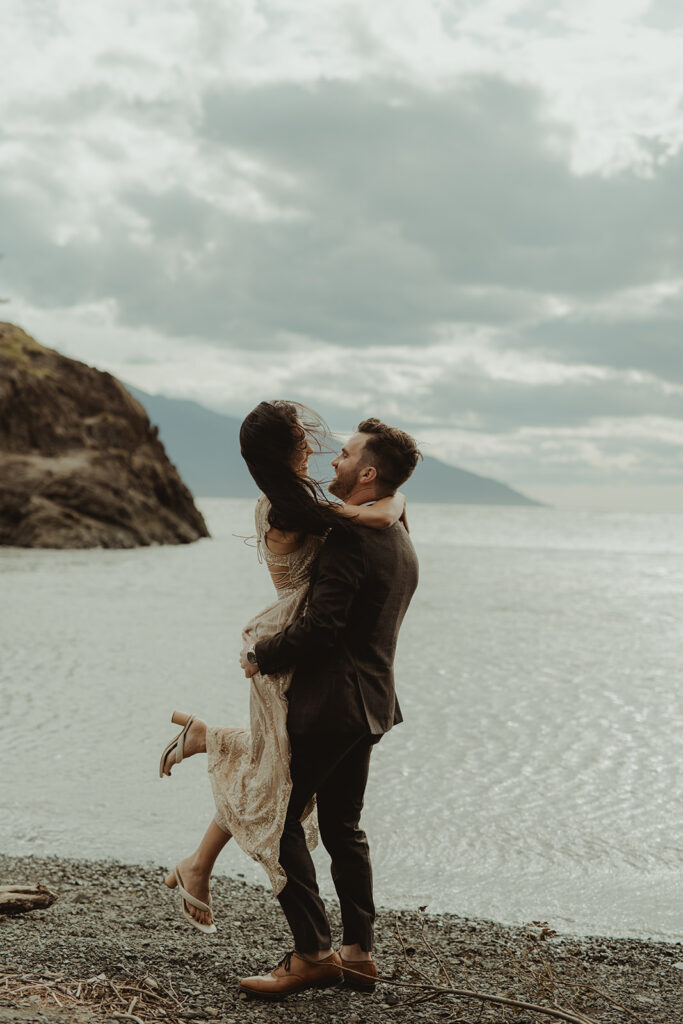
(141, 1000)
(437, 990)
(426, 989)
(19, 899)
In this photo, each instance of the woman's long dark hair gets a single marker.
(271, 436)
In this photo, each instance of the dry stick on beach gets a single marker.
(546, 980)
(150, 1000)
(428, 990)
(436, 991)
(541, 977)
(588, 986)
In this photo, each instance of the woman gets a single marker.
(249, 768)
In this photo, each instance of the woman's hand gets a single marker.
(383, 514)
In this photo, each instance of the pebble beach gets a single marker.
(115, 931)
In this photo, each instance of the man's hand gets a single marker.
(250, 667)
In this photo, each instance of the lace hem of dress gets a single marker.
(255, 819)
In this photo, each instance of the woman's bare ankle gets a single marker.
(195, 742)
(199, 863)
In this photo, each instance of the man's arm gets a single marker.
(341, 569)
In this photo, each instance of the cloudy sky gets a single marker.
(463, 216)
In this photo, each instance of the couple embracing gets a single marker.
(320, 663)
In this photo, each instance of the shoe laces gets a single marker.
(286, 961)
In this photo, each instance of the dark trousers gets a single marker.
(336, 770)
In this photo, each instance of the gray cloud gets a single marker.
(464, 396)
(663, 14)
(653, 345)
(407, 200)
(465, 174)
(382, 211)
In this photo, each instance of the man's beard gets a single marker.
(343, 485)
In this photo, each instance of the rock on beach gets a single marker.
(81, 465)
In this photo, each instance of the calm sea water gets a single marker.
(536, 776)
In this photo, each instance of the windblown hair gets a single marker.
(392, 452)
(271, 436)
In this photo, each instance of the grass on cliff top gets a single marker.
(21, 348)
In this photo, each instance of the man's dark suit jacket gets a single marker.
(342, 647)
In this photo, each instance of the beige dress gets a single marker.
(249, 768)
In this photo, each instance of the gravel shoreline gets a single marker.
(118, 920)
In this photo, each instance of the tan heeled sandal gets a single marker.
(172, 881)
(178, 742)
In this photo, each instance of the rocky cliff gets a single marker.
(80, 464)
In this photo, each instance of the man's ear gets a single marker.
(367, 475)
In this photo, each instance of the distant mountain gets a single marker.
(204, 445)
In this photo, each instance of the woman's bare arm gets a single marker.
(384, 513)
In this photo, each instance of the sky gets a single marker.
(461, 216)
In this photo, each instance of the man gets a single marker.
(341, 701)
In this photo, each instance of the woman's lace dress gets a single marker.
(249, 768)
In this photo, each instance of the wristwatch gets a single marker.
(251, 657)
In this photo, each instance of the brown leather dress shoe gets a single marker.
(294, 974)
(359, 974)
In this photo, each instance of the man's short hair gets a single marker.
(392, 452)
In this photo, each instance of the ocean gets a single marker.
(536, 775)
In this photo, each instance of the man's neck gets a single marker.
(361, 495)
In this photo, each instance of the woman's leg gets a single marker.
(195, 870)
